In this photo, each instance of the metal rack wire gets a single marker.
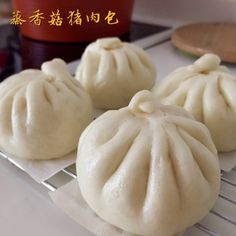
(227, 195)
(229, 198)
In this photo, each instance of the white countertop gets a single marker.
(26, 208)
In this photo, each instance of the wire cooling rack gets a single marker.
(226, 201)
(221, 221)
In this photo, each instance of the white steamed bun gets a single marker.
(112, 71)
(207, 91)
(148, 169)
(43, 112)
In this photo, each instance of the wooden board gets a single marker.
(201, 38)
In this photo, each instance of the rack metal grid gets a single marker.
(226, 200)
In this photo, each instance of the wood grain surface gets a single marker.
(201, 38)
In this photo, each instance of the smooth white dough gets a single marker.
(43, 112)
(208, 91)
(148, 169)
(112, 71)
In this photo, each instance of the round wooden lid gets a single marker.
(201, 38)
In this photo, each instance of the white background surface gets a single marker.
(26, 209)
(176, 12)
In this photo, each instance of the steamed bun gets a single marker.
(43, 112)
(112, 71)
(141, 168)
(207, 91)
